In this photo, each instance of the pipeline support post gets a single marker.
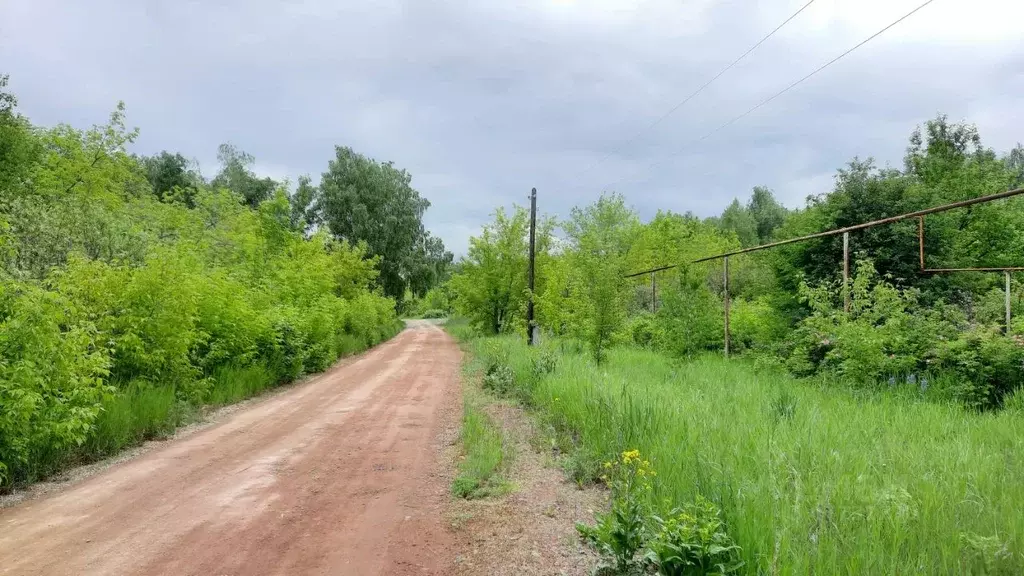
(725, 300)
(1007, 272)
(920, 241)
(654, 293)
(846, 272)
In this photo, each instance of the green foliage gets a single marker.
(362, 200)
(51, 379)
(692, 541)
(236, 175)
(483, 459)
(889, 337)
(736, 219)
(808, 478)
(490, 288)
(620, 534)
(172, 177)
(601, 236)
(686, 541)
(125, 305)
(690, 314)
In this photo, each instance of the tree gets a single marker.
(362, 200)
(429, 265)
(738, 220)
(601, 236)
(169, 173)
(768, 214)
(303, 204)
(235, 175)
(490, 287)
(19, 149)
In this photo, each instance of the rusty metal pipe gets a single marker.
(827, 233)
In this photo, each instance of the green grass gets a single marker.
(811, 480)
(233, 383)
(140, 412)
(484, 456)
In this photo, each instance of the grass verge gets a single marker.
(809, 479)
(484, 459)
(140, 411)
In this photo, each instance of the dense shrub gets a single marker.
(139, 311)
(889, 338)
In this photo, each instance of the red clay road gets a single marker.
(339, 475)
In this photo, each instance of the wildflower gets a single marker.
(892, 380)
(912, 379)
(607, 465)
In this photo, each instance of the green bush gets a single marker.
(52, 383)
(888, 338)
(434, 313)
(687, 541)
(644, 331)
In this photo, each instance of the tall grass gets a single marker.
(483, 446)
(138, 411)
(810, 480)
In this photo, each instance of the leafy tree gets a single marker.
(303, 206)
(739, 221)
(236, 175)
(172, 176)
(490, 286)
(1015, 164)
(600, 238)
(107, 293)
(19, 149)
(768, 214)
(362, 200)
(429, 265)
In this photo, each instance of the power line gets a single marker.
(697, 91)
(783, 91)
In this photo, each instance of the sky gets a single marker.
(482, 100)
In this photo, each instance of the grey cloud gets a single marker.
(481, 101)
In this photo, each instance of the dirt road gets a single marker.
(339, 475)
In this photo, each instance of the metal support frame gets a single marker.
(846, 272)
(654, 293)
(1006, 270)
(919, 215)
(725, 299)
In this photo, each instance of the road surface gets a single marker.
(339, 475)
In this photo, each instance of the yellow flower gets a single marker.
(607, 465)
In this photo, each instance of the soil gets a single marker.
(532, 529)
(344, 474)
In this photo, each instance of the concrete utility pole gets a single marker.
(531, 327)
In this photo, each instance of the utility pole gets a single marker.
(530, 324)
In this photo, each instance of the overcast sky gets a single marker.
(482, 100)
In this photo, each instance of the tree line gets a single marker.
(904, 328)
(134, 291)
